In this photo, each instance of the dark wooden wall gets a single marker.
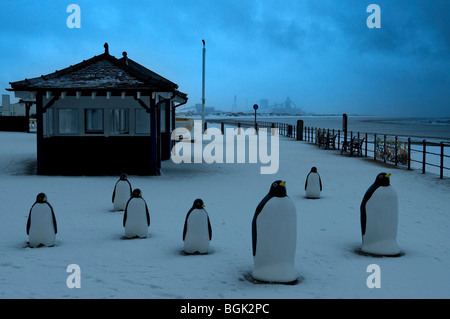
(92, 155)
(14, 123)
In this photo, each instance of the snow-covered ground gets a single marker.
(90, 234)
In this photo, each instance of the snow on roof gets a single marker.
(100, 72)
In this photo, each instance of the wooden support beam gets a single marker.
(154, 165)
(49, 104)
(40, 131)
(158, 137)
(27, 114)
(145, 106)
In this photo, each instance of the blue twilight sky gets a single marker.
(319, 53)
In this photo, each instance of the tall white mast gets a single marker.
(203, 87)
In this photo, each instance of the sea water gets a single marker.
(432, 129)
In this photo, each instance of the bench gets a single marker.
(321, 139)
(353, 146)
(326, 140)
(331, 141)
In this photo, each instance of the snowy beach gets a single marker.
(90, 234)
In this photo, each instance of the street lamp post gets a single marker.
(203, 87)
(255, 107)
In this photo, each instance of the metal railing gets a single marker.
(389, 149)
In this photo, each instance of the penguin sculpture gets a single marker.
(122, 193)
(313, 184)
(197, 232)
(379, 218)
(136, 218)
(274, 235)
(41, 224)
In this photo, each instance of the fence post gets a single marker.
(344, 128)
(424, 156)
(222, 127)
(375, 147)
(365, 151)
(339, 139)
(395, 150)
(239, 128)
(299, 130)
(442, 161)
(409, 153)
(351, 144)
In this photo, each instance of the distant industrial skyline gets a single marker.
(321, 54)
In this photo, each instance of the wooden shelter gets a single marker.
(103, 116)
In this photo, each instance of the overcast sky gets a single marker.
(319, 53)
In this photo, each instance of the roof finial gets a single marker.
(124, 53)
(106, 46)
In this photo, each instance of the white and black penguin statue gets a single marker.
(379, 218)
(136, 218)
(122, 193)
(313, 184)
(274, 235)
(197, 232)
(41, 224)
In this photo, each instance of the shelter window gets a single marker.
(93, 121)
(120, 121)
(50, 120)
(68, 121)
